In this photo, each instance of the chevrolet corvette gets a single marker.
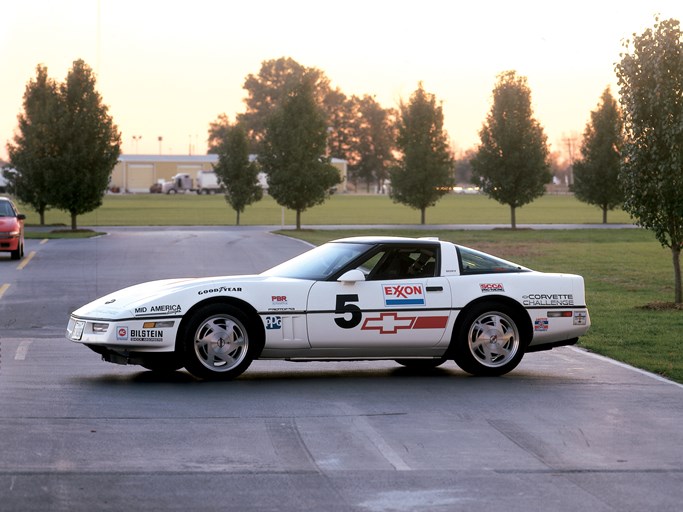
(417, 301)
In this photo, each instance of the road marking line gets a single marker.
(44, 241)
(375, 438)
(3, 289)
(22, 350)
(26, 260)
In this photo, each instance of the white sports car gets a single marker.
(419, 301)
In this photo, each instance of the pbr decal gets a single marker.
(403, 295)
(391, 323)
(279, 300)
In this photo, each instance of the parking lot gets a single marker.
(565, 431)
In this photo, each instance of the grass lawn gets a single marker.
(625, 270)
(191, 209)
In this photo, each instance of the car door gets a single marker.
(399, 300)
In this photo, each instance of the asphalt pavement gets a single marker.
(565, 431)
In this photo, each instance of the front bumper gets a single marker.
(135, 335)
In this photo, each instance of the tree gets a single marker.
(511, 163)
(299, 175)
(267, 89)
(238, 175)
(423, 172)
(375, 142)
(218, 133)
(342, 113)
(650, 78)
(34, 152)
(596, 173)
(89, 145)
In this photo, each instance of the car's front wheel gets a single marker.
(19, 253)
(218, 344)
(489, 340)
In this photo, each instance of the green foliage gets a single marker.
(651, 88)
(270, 87)
(295, 141)
(35, 149)
(423, 172)
(596, 174)
(68, 144)
(238, 175)
(511, 164)
(375, 142)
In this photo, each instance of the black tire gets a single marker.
(421, 364)
(489, 341)
(19, 253)
(219, 343)
(163, 363)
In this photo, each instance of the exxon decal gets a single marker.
(403, 295)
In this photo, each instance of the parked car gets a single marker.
(11, 229)
(417, 301)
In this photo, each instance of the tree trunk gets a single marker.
(678, 290)
(422, 216)
(42, 216)
(513, 217)
(604, 215)
(298, 220)
(237, 223)
(74, 225)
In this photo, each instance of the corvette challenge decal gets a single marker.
(403, 294)
(391, 323)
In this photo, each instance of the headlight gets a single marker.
(97, 327)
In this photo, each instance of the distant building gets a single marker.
(137, 173)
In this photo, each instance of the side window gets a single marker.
(475, 262)
(401, 263)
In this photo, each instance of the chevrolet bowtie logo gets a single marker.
(391, 323)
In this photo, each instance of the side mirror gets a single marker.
(21, 216)
(352, 276)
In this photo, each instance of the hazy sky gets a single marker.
(169, 68)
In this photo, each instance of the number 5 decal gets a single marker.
(344, 307)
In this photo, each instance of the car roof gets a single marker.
(387, 240)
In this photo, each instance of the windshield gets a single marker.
(320, 263)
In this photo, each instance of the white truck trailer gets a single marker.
(206, 182)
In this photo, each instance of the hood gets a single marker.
(8, 223)
(171, 292)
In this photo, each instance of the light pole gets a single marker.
(136, 140)
(160, 139)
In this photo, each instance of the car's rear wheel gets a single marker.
(218, 344)
(489, 340)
